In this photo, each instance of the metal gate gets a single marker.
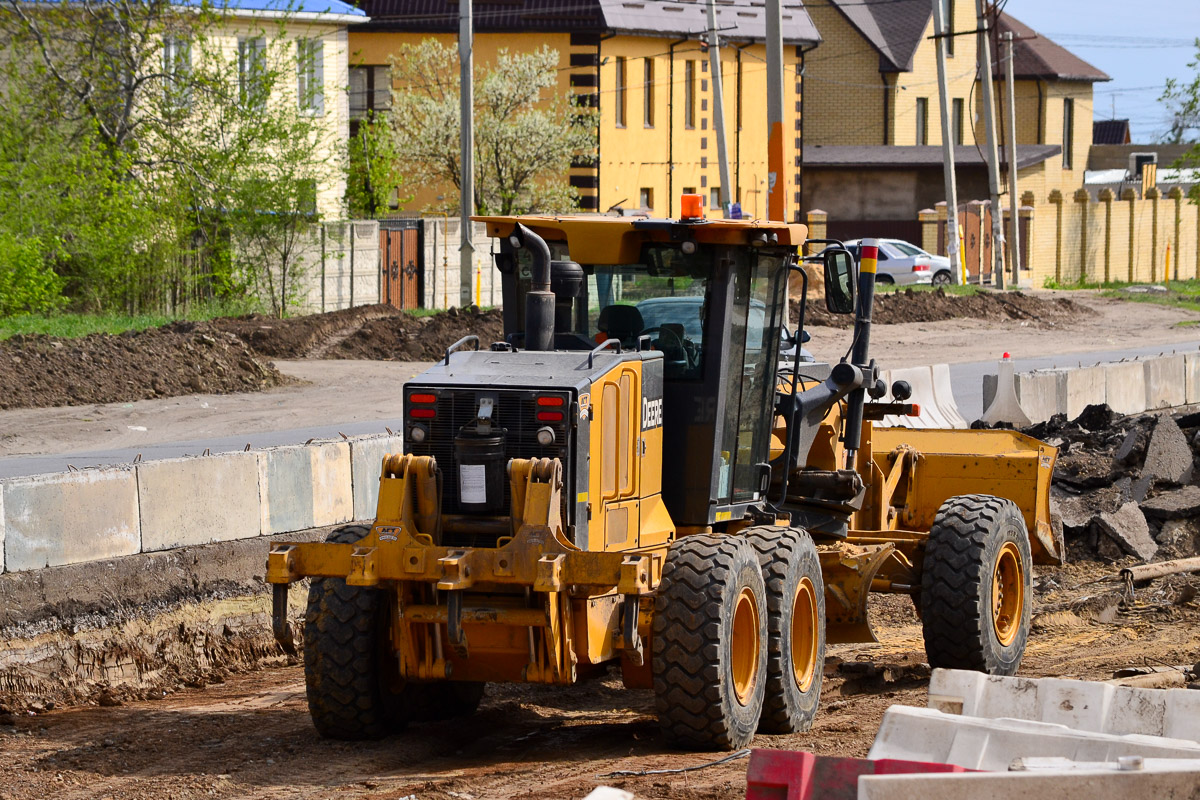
(975, 220)
(401, 246)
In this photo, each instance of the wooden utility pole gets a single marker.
(990, 152)
(1014, 223)
(714, 55)
(466, 181)
(776, 206)
(941, 28)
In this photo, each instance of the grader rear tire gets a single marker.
(710, 643)
(976, 595)
(795, 627)
(346, 659)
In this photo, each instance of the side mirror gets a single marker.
(839, 281)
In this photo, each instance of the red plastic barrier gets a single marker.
(791, 775)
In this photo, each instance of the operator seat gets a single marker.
(620, 322)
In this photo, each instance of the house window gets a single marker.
(714, 197)
(950, 28)
(922, 120)
(177, 64)
(646, 198)
(1068, 131)
(370, 90)
(648, 93)
(252, 67)
(956, 119)
(689, 190)
(310, 75)
(620, 90)
(689, 94)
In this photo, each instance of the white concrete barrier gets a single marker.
(1191, 377)
(1083, 705)
(1165, 382)
(366, 462)
(305, 486)
(66, 518)
(1038, 392)
(1079, 388)
(188, 501)
(1125, 387)
(932, 391)
(926, 734)
(1090, 784)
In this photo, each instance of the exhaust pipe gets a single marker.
(539, 302)
(852, 433)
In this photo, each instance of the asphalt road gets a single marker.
(967, 379)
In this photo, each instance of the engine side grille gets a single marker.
(515, 412)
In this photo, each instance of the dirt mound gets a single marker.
(39, 371)
(908, 306)
(407, 338)
(295, 337)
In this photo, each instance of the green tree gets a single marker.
(525, 133)
(1183, 101)
(27, 284)
(374, 171)
(156, 167)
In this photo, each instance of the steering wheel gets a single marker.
(679, 340)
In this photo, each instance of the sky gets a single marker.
(1140, 44)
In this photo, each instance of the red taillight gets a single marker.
(549, 401)
(423, 413)
(422, 398)
(549, 416)
(920, 268)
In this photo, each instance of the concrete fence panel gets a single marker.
(188, 501)
(52, 520)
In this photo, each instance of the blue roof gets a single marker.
(282, 6)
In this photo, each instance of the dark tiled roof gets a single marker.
(1110, 131)
(894, 28)
(743, 20)
(1039, 57)
(892, 156)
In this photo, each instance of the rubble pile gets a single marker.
(1125, 486)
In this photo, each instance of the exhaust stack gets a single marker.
(539, 302)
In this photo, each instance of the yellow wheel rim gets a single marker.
(745, 645)
(804, 634)
(1008, 594)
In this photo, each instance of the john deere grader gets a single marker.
(648, 472)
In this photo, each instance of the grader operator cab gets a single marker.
(631, 478)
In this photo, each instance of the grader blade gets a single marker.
(848, 571)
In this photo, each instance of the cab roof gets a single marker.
(593, 239)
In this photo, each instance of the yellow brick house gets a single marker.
(872, 146)
(645, 66)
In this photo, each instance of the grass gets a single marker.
(70, 326)
(1183, 294)
(966, 290)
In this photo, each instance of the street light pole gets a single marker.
(990, 152)
(714, 55)
(951, 186)
(466, 181)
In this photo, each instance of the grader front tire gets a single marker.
(344, 660)
(976, 598)
(795, 627)
(710, 635)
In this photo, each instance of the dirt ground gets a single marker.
(319, 387)
(250, 736)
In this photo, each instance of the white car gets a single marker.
(905, 264)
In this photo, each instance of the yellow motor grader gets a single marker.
(639, 476)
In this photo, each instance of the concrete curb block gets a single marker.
(69, 518)
(1082, 705)
(925, 734)
(66, 518)
(366, 461)
(305, 486)
(188, 501)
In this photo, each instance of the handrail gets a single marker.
(603, 346)
(470, 337)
